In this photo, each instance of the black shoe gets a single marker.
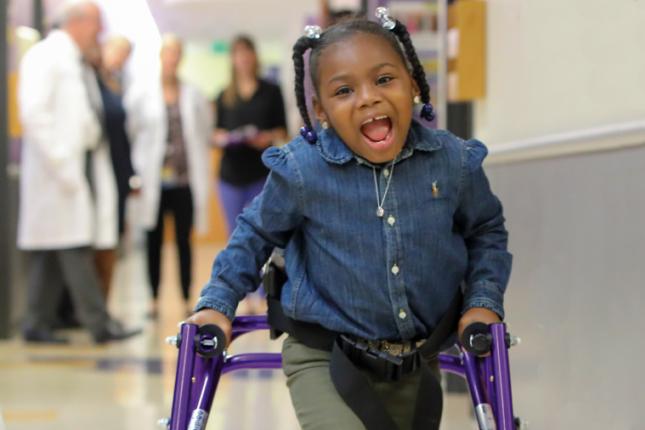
(68, 322)
(43, 336)
(114, 331)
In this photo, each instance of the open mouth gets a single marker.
(377, 131)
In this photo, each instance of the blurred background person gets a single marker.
(115, 52)
(109, 61)
(172, 124)
(66, 179)
(250, 117)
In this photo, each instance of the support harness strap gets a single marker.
(348, 365)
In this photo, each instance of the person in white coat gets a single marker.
(171, 124)
(67, 189)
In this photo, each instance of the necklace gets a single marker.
(379, 201)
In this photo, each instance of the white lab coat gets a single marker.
(148, 127)
(57, 209)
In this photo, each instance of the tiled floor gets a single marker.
(128, 386)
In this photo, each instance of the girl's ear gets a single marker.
(415, 88)
(318, 110)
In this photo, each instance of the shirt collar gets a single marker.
(333, 150)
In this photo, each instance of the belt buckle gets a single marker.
(399, 348)
(371, 350)
(395, 349)
(383, 355)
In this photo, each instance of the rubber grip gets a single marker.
(210, 341)
(477, 339)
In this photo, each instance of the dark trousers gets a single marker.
(122, 199)
(179, 202)
(49, 273)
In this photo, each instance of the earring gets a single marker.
(324, 125)
(417, 99)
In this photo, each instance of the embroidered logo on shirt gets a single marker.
(435, 190)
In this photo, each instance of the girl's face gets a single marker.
(365, 93)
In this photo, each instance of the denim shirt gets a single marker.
(390, 277)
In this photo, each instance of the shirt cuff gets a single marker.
(218, 298)
(484, 294)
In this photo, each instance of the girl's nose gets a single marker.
(368, 96)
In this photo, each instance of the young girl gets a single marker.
(383, 222)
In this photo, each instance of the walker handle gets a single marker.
(477, 339)
(210, 341)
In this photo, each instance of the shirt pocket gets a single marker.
(438, 202)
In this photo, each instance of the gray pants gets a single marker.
(318, 405)
(48, 273)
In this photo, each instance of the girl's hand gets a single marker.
(211, 316)
(474, 315)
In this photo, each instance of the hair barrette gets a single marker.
(384, 16)
(313, 31)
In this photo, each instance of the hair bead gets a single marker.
(309, 134)
(427, 112)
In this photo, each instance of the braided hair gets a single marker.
(398, 38)
(299, 49)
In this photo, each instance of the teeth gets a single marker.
(367, 121)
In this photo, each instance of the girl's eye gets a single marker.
(342, 91)
(383, 80)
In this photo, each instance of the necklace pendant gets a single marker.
(380, 212)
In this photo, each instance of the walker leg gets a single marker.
(195, 382)
(502, 375)
(483, 410)
(183, 380)
(207, 373)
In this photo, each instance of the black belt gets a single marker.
(384, 365)
(351, 357)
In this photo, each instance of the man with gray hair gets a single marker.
(65, 172)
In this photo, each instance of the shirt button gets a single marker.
(391, 220)
(386, 172)
(402, 314)
(395, 269)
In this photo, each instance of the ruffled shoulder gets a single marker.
(282, 160)
(475, 153)
(276, 159)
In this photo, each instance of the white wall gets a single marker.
(575, 223)
(557, 65)
(576, 292)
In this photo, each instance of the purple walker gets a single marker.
(202, 360)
